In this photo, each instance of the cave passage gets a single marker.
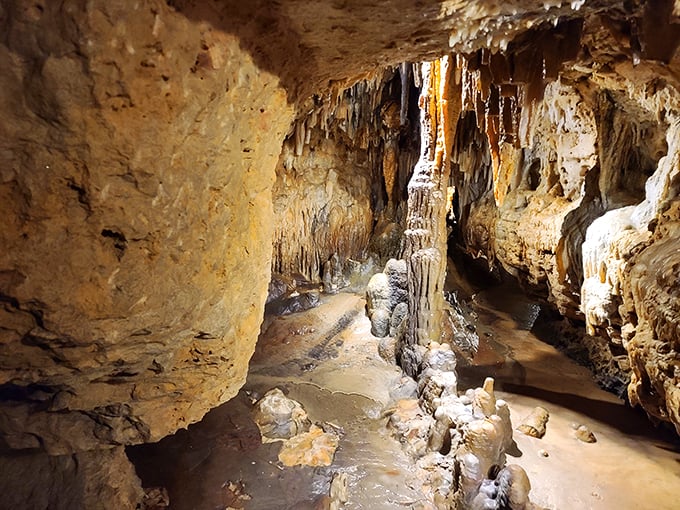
(327, 359)
(339, 254)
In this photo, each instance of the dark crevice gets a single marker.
(83, 197)
(119, 241)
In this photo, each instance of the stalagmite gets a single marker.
(467, 441)
(425, 237)
(534, 424)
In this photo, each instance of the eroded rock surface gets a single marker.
(102, 479)
(568, 185)
(138, 150)
(279, 417)
(138, 155)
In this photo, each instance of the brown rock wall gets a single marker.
(138, 145)
(329, 171)
(651, 299)
(99, 480)
(137, 152)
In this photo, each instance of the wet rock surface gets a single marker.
(142, 143)
(279, 417)
(567, 192)
(349, 393)
(529, 373)
(460, 440)
(140, 148)
(313, 448)
(343, 390)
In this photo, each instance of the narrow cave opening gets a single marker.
(321, 255)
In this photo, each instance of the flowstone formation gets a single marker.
(566, 176)
(337, 194)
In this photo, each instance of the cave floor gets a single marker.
(631, 466)
(327, 360)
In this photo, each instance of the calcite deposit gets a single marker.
(157, 159)
(570, 189)
(460, 440)
(280, 418)
(534, 424)
(387, 299)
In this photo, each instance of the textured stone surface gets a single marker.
(312, 45)
(534, 425)
(314, 448)
(137, 153)
(652, 299)
(425, 234)
(100, 480)
(343, 168)
(279, 417)
(570, 192)
(387, 298)
(322, 205)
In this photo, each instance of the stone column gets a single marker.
(425, 237)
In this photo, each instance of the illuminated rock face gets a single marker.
(138, 154)
(576, 195)
(330, 188)
(157, 159)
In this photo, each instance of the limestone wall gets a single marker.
(137, 154)
(138, 148)
(575, 193)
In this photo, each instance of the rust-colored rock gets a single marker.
(314, 448)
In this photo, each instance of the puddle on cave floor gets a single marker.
(327, 359)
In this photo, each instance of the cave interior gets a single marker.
(284, 254)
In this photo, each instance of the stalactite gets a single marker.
(502, 88)
(404, 73)
(340, 172)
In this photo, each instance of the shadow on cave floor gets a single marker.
(565, 472)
